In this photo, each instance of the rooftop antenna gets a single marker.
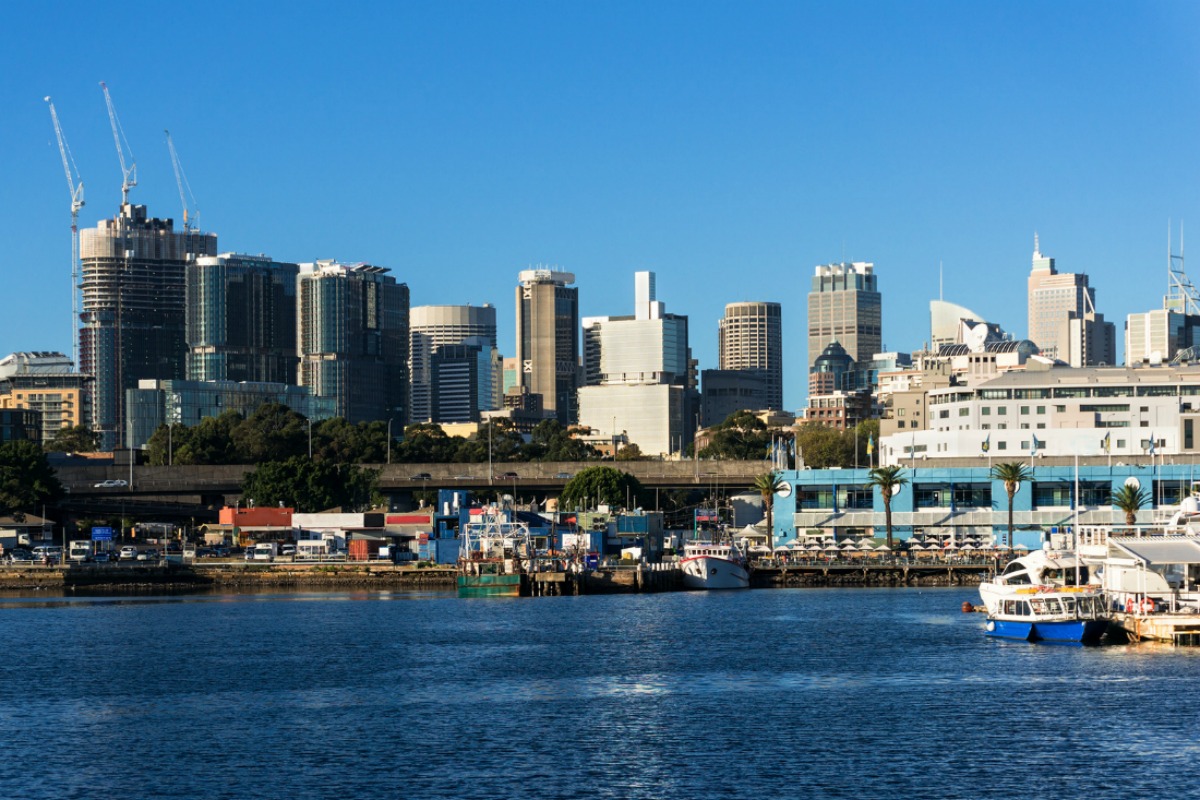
(128, 174)
(75, 187)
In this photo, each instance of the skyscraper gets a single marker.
(1062, 316)
(639, 374)
(133, 324)
(432, 327)
(241, 319)
(353, 339)
(751, 337)
(548, 340)
(845, 306)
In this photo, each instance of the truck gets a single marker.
(79, 550)
(263, 551)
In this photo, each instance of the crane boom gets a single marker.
(128, 174)
(181, 181)
(75, 188)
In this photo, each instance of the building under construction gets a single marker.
(133, 321)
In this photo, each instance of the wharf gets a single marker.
(871, 573)
(1173, 628)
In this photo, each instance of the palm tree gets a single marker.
(888, 480)
(1130, 499)
(768, 484)
(1013, 474)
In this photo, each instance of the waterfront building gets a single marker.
(1120, 412)
(845, 305)
(241, 319)
(432, 327)
(750, 337)
(724, 391)
(964, 505)
(133, 320)
(639, 374)
(154, 403)
(548, 339)
(1062, 316)
(353, 340)
(44, 382)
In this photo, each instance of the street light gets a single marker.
(310, 438)
(389, 443)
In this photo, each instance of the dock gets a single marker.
(871, 573)
(1173, 628)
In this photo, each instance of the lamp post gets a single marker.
(389, 442)
(310, 438)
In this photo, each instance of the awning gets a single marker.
(1161, 551)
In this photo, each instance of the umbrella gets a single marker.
(866, 546)
(1020, 547)
(849, 546)
(883, 548)
(967, 546)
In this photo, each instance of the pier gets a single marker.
(893, 572)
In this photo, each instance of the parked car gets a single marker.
(101, 558)
(19, 556)
(148, 555)
(129, 552)
(287, 550)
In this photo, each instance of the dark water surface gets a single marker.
(768, 693)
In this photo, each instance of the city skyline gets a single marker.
(728, 150)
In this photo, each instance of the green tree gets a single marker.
(822, 447)
(1012, 474)
(77, 439)
(550, 441)
(600, 485)
(309, 485)
(768, 485)
(426, 443)
(741, 436)
(631, 452)
(888, 480)
(273, 432)
(27, 480)
(340, 442)
(1130, 499)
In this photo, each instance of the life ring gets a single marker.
(1148, 606)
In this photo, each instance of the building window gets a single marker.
(1024, 409)
(1002, 410)
(986, 411)
(964, 412)
(1001, 445)
(1041, 409)
(1024, 426)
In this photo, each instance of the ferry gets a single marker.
(1039, 568)
(714, 565)
(1062, 614)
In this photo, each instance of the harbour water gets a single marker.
(789, 693)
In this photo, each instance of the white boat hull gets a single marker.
(711, 572)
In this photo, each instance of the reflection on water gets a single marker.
(806, 693)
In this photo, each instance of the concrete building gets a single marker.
(840, 410)
(639, 374)
(845, 305)
(1094, 411)
(1062, 316)
(462, 380)
(241, 319)
(353, 340)
(724, 391)
(548, 339)
(44, 382)
(133, 320)
(431, 327)
(156, 403)
(20, 424)
(750, 336)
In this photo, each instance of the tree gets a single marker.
(630, 452)
(426, 443)
(273, 432)
(550, 441)
(1012, 474)
(77, 439)
(339, 442)
(600, 485)
(888, 480)
(309, 485)
(27, 480)
(741, 436)
(768, 485)
(1130, 499)
(822, 447)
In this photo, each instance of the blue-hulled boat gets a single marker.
(1061, 614)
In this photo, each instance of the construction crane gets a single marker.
(128, 174)
(75, 188)
(181, 181)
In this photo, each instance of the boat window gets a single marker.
(1019, 577)
(1023, 609)
(1054, 605)
(1069, 603)
(1039, 605)
(1013, 566)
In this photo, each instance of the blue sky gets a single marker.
(729, 147)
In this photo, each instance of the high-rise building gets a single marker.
(1062, 316)
(241, 319)
(133, 322)
(45, 383)
(724, 391)
(845, 306)
(463, 380)
(640, 375)
(548, 340)
(751, 337)
(352, 324)
(432, 327)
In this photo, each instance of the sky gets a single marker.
(728, 147)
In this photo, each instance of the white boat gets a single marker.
(713, 565)
(1041, 568)
(1065, 614)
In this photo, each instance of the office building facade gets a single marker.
(750, 337)
(352, 337)
(133, 320)
(548, 340)
(431, 327)
(1062, 316)
(845, 305)
(241, 319)
(463, 378)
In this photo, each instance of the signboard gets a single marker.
(102, 534)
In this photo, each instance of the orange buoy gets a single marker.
(967, 607)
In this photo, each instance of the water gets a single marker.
(797, 693)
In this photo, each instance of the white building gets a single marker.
(1060, 411)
